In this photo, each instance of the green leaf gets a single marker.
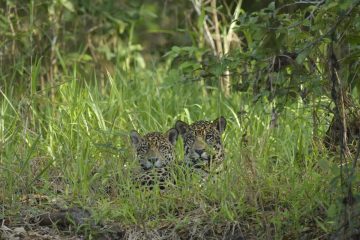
(353, 38)
(271, 6)
(68, 5)
(323, 164)
(86, 58)
(301, 57)
(321, 225)
(345, 4)
(331, 4)
(332, 211)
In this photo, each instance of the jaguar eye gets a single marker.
(143, 149)
(209, 138)
(190, 140)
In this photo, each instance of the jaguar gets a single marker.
(203, 148)
(154, 152)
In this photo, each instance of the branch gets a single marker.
(219, 48)
(333, 29)
(228, 38)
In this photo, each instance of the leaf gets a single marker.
(301, 57)
(86, 58)
(271, 6)
(353, 38)
(323, 164)
(331, 4)
(121, 24)
(35, 75)
(68, 5)
(332, 211)
(321, 225)
(354, 56)
(186, 65)
(345, 4)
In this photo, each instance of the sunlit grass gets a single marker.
(76, 148)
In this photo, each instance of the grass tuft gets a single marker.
(75, 149)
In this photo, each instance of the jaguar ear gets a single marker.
(135, 137)
(172, 135)
(220, 124)
(181, 127)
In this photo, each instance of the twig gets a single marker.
(318, 4)
(209, 37)
(219, 48)
(354, 164)
(333, 29)
(343, 116)
(227, 42)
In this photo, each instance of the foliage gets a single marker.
(77, 76)
(77, 149)
(58, 35)
(284, 53)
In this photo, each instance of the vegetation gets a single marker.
(78, 76)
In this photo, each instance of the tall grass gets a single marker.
(75, 150)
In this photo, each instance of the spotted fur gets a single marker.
(203, 147)
(155, 152)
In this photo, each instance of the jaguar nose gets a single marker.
(153, 160)
(145, 167)
(199, 151)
